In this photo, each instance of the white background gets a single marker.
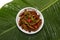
(3, 2)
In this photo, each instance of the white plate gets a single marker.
(38, 12)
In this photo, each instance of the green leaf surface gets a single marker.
(50, 10)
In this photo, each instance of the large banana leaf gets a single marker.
(50, 10)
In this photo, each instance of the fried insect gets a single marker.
(29, 20)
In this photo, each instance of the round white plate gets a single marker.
(30, 9)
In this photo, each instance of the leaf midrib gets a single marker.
(7, 30)
(15, 26)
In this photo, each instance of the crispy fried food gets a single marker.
(29, 20)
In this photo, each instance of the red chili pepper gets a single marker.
(29, 20)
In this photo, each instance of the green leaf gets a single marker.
(50, 31)
(40, 4)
